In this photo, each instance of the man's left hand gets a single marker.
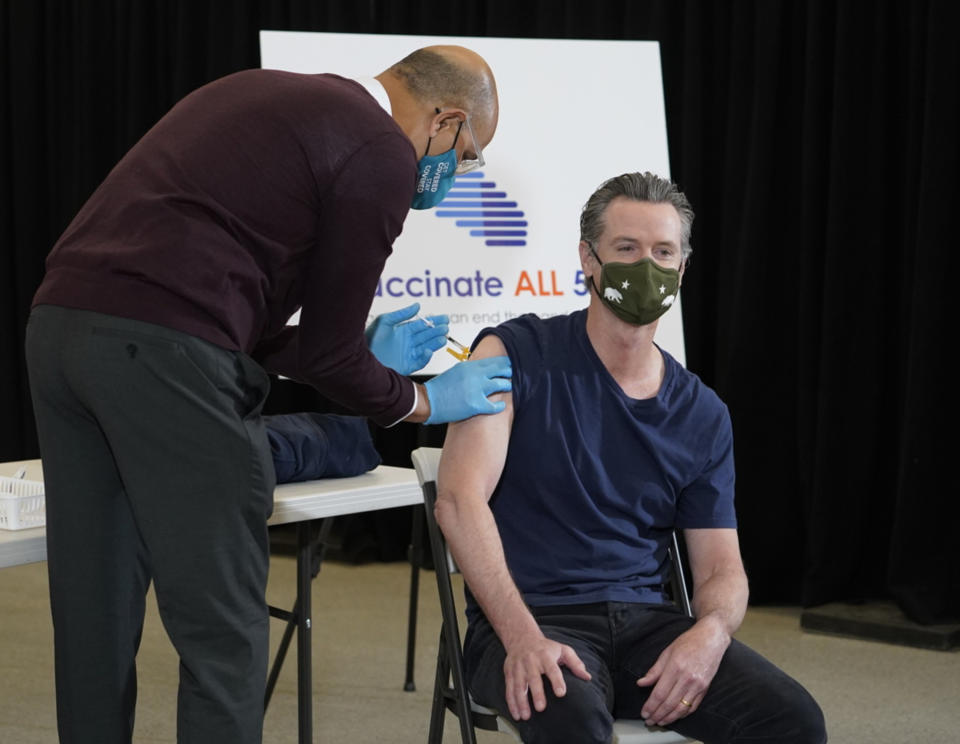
(683, 672)
(404, 344)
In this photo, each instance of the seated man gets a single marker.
(559, 511)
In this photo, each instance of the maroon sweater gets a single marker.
(258, 194)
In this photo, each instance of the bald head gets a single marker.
(448, 76)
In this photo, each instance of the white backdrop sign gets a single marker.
(504, 241)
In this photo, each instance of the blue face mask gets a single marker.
(435, 175)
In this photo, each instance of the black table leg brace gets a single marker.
(312, 537)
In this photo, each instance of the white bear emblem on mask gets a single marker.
(613, 295)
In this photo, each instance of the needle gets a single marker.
(461, 353)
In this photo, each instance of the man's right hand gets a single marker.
(528, 662)
(404, 343)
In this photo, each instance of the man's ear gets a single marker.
(443, 119)
(683, 269)
(588, 261)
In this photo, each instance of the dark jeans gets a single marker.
(157, 468)
(749, 699)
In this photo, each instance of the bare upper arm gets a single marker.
(474, 450)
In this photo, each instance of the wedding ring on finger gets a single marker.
(684, 701)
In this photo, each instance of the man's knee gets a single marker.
(751, 699)
(806, 722)
(579, 716)
(797, 718)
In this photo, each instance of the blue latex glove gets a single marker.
(461, 391)
(403, 344)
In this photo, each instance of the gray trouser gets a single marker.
(156, 467)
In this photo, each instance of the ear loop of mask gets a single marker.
(592, 283)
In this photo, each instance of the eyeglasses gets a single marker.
(465, 165)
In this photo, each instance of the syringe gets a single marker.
(461, 353)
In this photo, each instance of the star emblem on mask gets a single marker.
(662, 289)
(625, 284)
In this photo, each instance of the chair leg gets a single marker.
(438, 710)
(450, 642)
(415, 555)
(467, 734)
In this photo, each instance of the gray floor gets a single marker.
(871, 692)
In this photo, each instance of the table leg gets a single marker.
(415, 556)
(304, 655)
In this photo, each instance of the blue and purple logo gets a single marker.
(477, 205)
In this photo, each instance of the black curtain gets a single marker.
(817, 142)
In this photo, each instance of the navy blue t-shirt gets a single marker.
(595, 481)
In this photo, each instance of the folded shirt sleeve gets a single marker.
(309, 446)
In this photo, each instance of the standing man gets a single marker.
(560, 510)
(163, 308)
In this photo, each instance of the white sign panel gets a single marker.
(504, 241)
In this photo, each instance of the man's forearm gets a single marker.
(722, 600)
(474, 541)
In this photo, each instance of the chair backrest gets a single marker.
(450, 690)
(426, 461)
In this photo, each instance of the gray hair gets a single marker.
(435, 79)
(642, 187)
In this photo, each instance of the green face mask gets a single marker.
(638, 292)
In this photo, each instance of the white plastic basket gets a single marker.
(21, 504)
